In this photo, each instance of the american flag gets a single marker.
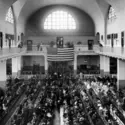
(60, 54)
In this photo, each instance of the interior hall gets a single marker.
(62, 62)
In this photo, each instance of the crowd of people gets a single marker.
(91, 100)
(24, 113)
(55, 92)
(8, 97)
(109, 102)
(74, 110)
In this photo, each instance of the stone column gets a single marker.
(3, 74)
(120, 73)
(16, 66)
(46, 64)
(104, 65)
(101, 65)
(75, 64)
(19, 65)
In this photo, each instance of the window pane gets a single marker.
(59, 20)
(9, 16)
(111, 14)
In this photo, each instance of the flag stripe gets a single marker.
(60, 57)
(63, 54)
(60, 60)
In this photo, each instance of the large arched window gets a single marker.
(59, 20)
(111, 14)
(9, 16)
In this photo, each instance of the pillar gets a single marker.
(104, 65)
(16, 66)
(3, 74)
(120, 73)
(46, 64)
(19, 65)
(75, 64)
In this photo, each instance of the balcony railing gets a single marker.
(11, 52)
(77, 48)
(86, 48)
(35, 48)
(116, 51)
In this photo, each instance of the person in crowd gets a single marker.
(9, 43)
(81, 75)
(41, 46)
(38, 46)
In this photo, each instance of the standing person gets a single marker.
(41, 46)
(9, 43)
(61, 42)
(100, 46)
(1, 40)
(81, 75)
(38, 46)
(1, 43)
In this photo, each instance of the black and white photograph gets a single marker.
(62, 62)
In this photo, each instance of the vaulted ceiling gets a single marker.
(97, 9)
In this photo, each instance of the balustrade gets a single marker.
(117, 51)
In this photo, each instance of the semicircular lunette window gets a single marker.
(59, 20)
(111, 14)
(9, 16)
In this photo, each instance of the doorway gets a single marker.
(61, 67)
(1, 40)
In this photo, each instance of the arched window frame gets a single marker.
(111, 14)
(63, 21)
(10, 16)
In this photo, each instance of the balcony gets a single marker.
(6, 53)
(116, 52)
(46, 49)
(34, 50)
(85, 50)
